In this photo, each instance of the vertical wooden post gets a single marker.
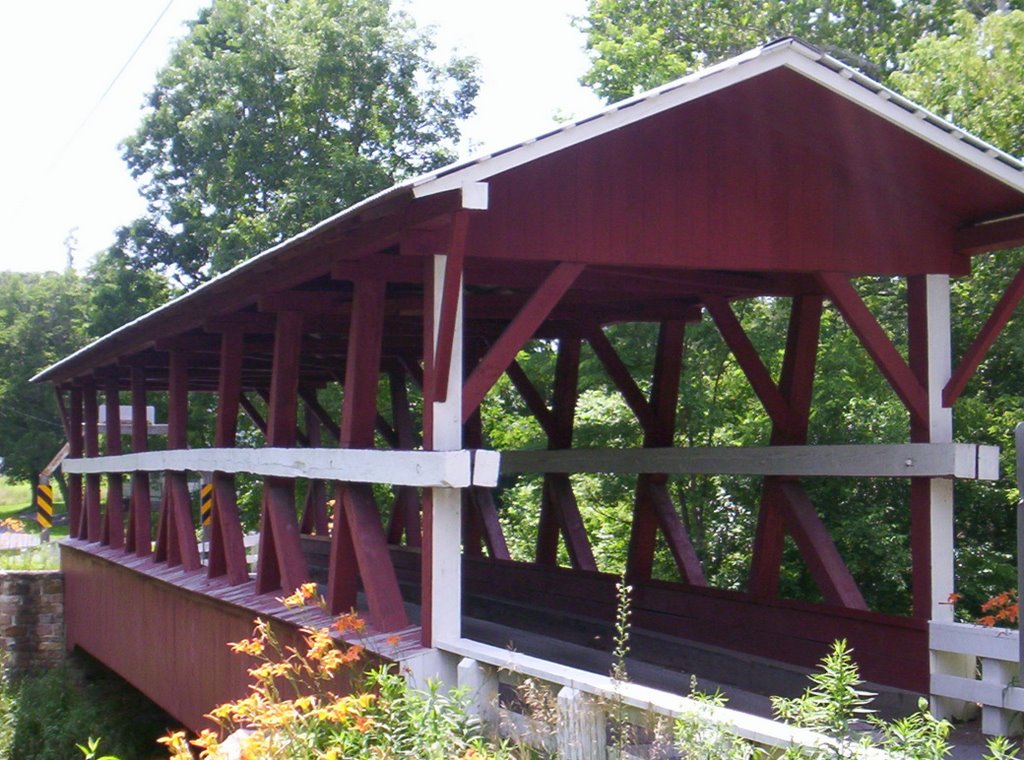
(113, 525)
(356, 512)
(931, 499)
(1018, 439)
(559, 510)
(796, 383)
(314, 513)
(139, 528)
(442, 508)
(75, 448)
(405, 514)
(90, 528)
(668, 367)
(281, 564)
(227, 550)
(176, 538)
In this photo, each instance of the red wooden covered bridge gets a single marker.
(780, 173)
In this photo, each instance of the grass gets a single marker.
(16, 500)
(14, 497)
(42, 557)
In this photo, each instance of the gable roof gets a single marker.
(462, 185)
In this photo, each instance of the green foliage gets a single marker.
(1001, 748)
(271, 116)
(973, 75)
(42, 557)
(698, 735)
(634, 45)
(119, 293)
(53, 712)
(415, 724)
(836, 707)
(42, 319)
(833, 706)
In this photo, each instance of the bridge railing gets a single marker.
(994, 683)
(580, 706)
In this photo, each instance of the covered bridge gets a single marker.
(780, 173)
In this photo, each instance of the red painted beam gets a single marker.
(113, 523)
(323, 417)
(182, 547)
(621, 377)
(758, 376)
(384, 599)
(451, 289)
(823, 560)
(75, 449)
(253, 413)
(878, 345)
(796, 383)
(981, 344)
(487, 512)
(362, 370)
(991, 236)
(519, 330)
(342, 567)
(227, 550)
(90, 528)
(281, 564)
(675, 533)
(532, 398)
(139, 519)
(358, 524)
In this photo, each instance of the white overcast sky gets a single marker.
(60, 169)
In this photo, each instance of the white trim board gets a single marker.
(968, 461)
(792, 54)
(445, 469)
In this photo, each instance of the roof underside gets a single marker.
(741, 190)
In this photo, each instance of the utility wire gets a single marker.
(117, 76)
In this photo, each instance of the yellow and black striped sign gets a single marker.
(44, 505)
(206, 504)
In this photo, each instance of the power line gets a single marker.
(113, 82)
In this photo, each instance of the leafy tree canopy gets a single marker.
(638, 44)
(973, 76)
(272, 115)
(42, 319)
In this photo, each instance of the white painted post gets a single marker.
(581, 726)
(995, 721)
(480, 683)
(1018, 437)
(940, 353)
(446, 548)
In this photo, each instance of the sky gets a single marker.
(63, 184)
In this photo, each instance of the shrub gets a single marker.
(50, 713)
(295, 710)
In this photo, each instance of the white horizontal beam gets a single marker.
(980, 692)
(968, 461)
(444, 469)
(977, 640)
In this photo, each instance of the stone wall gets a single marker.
(32, 619)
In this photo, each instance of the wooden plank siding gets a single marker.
(165, 630)
(889, 649)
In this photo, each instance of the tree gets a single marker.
(42, 319)
(272, 115)
(973, 76)
(119, 293)
(638, 44)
